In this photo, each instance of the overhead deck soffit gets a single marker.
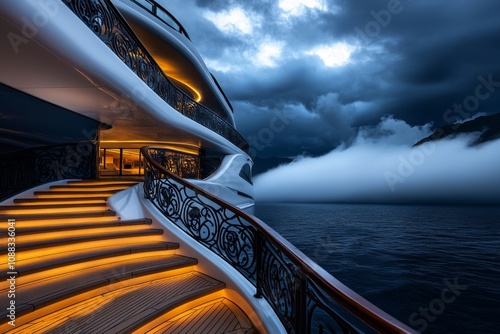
(27, 64)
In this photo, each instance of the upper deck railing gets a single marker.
(162, 14)
(304, 296)
(108, 24)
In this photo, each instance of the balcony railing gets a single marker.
(162, 14)
(108, 24)
(305, 297)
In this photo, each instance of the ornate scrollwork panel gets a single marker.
(213, 226)
(32, 167)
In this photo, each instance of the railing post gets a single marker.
(259, 247)
(300, 301)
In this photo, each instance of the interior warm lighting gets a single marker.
(126, 145)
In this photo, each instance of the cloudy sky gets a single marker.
(304, 75)
(348, 86)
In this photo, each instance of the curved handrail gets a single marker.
(108, 24)
(154, 11)
(204, 216)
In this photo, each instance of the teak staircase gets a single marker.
(80, 269)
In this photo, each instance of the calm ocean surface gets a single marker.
(403, 258)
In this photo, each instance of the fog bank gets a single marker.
(381, 166)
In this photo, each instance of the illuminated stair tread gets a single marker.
(101, 199)
(85, 185)
(31, 216)
(50, 206)
(217, 316)
(85, 238)
(56, 288)
(87, 255)
(62, 225)
(105, 181)
(78, 192)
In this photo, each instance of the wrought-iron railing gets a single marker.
(108, 24)
(31, 167)
(305, 297)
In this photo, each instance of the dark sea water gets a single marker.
(404, 258)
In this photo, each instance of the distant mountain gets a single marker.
(262, 165)
(488, 126)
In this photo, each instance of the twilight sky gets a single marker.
(347, 87)
(304, 75)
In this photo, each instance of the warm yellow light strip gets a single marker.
(91, 191)
(55, 194)
(92, 232)
(56, 202)
(175, 74)
(23, 210)
(56, 252)
(194, 91)
(38, 223)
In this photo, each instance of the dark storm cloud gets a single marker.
(414, 64)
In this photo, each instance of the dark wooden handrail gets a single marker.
(350, 300)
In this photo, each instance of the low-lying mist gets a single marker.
(381, 166)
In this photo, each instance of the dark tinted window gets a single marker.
(246, 173)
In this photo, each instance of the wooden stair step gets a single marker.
(61, 225)
(105, 181)
(21, 201)
(73, 189)
(51, 206)
(124, 309)
(56, 288)
(37, 244)
(216, 316)
(79, 192)
(96, 186)
(31, 216)
(86, 255)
